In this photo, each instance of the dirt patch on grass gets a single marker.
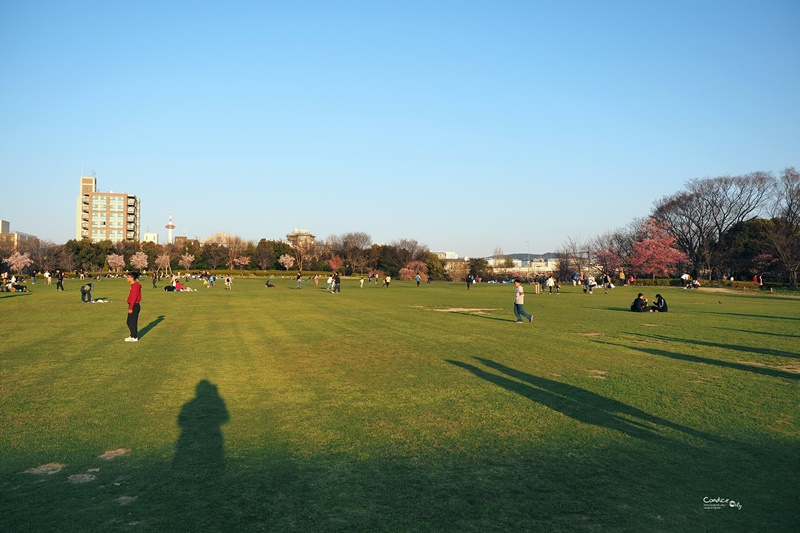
(81, 478)
(599, 374)
(48, 469)
(464, 310)
(125, 500)
(651, 325)
(593, 334)
(111, 454)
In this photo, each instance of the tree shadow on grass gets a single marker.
(145, 330)
(580, 404)
(767, 317)
(732, 347)
(760, 332)
(695, 359)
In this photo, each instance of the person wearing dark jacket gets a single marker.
(639, 305)
(660, 305)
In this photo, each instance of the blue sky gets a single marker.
(464, 125)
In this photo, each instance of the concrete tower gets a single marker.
(170, 226)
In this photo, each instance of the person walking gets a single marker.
(337, 283)
(59, 281)
(153, 278)
(134, 299)
(519, 300)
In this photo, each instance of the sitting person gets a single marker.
(169, 288)
(660, 305)
(269, 285)
(639, 305)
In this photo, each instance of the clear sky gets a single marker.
(464, 125)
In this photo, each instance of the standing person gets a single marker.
(519, 300)
(606, 282)
(48, 278)
(33, 277)
(299, 280)
(551, 284)
(337, 283)
(418, 279)
(59, 281)
(134, 298)
(153, 279)
(362, 282)
(330, 283)
(387, 281)
(470, 281)
(228, 282)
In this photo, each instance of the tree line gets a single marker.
(351, 253)
(714, 228)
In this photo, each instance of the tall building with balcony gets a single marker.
(106, 215)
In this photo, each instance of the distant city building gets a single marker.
(444, 256)
(300, 238)
(102, 216)
(11, 240)
(150, 237)
(182, 241)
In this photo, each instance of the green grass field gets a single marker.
(400, 409)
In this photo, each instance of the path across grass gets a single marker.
(400, 409)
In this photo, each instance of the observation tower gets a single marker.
(170, 226)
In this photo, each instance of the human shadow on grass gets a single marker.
(715, 362)
(199, 461)
(732, 347)
(580, 404)
(145, 330)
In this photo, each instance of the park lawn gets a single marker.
(401, 409)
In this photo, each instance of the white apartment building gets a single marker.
(104, 216)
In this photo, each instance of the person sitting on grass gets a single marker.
(639, 305)
(660, 305)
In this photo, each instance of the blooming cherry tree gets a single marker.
(18, 261)
(115, 262)
(139, 261)
(286, 260)
(654, 253)
(186, 261)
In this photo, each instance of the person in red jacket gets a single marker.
(134, 297)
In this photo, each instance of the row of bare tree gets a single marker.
(726, 225)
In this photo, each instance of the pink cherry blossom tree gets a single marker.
(139, 260)
(115, 262)
(654, 253)
(186, 261)
(286, 260)
(18, 261)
